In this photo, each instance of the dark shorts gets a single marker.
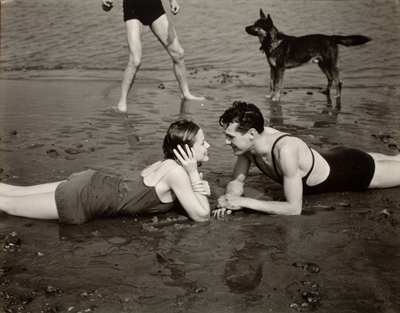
(350, 170)
(85, 196)
(146, 11)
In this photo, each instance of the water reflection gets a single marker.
(328, 116)
(275, 118)
(329, 102)
(244, 271)
(184, 110)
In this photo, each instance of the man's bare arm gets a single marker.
(235, 186)
(292, 187)
(240, 171)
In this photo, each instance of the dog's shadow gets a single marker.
(329, 114)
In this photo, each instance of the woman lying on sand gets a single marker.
(90, 194)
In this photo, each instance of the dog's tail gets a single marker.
(354, 40)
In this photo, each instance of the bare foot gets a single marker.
(122, 107)
(191, 97)
(122, 110)
(115, 112)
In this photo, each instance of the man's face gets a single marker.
(239, 142)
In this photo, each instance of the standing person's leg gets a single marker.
(166, 33)
(387, 171)
(134, 30)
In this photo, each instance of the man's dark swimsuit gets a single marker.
(350, 170)
(146, 11)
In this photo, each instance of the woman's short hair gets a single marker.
(247, 115)
(179, 133)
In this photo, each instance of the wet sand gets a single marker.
(340, 255)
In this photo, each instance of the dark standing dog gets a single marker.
(285, 52)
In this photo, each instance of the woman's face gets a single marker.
(200, 147)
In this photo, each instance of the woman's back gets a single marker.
(143, 193)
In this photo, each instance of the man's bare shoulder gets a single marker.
(271, 130)
(289, 146)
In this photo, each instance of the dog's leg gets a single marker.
(328, 75)
(272, 83)
(338, 104)
(278, 84)
(336, 78)
(334, 73)
(328, 100)
(332, 66)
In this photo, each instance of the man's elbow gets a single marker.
(295, 209)
(295, 212)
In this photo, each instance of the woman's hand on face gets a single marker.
(186, 158)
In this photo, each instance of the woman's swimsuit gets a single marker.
(90, 195)
(350, 169)
(146, 11)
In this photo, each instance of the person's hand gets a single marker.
(226, 204)
(202, 187)
(174, 7)
(230, 202)
(107, 5)
(219, 213)
(187, 158)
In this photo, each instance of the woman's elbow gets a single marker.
(201, 218)
(200, 215)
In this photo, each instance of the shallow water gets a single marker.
(61, 65)
(47, 34)
(224, 63)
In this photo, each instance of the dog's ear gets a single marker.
(262, 15)
(269, 22)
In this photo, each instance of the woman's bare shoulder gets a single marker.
(176, 170)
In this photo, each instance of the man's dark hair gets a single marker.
(247, 115)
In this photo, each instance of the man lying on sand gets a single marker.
(289, 161)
